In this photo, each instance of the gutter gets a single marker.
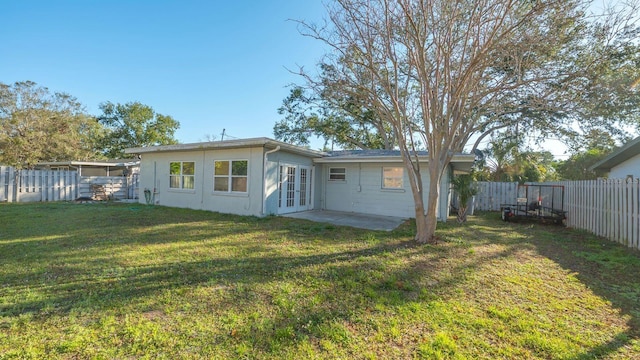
(264, 178)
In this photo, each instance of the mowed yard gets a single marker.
(133, 281)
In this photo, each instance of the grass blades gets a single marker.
(132, 281)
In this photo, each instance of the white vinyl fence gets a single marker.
(491, 194)
(37, 185)
(608, 208)
(61, 185)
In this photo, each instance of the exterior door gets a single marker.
(294, 188)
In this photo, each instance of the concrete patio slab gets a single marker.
(357, 220)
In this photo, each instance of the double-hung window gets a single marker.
(392, 177)
(182, 174)
(230, 176)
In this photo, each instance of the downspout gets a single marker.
(264, 179)
(155, 189)
(204, 155)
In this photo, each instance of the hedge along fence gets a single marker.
(608, 208)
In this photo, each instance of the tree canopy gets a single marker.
(594, 146)
(441, 72)
(134, 125)
(38, 125)
(339, 121)
(506, 160)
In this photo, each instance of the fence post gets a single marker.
(12, 185)
(629, 210)
(3, 184)
(635, 198)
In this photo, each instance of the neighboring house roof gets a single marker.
(462, 162)
(118, 162)
(624, 153)
(228, 144)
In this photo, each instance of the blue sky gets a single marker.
(209, 64)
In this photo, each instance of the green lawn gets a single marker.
(132, 281)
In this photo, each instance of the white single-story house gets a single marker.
(622, 163)
(261, 176)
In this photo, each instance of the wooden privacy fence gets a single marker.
(608, 208)
(37, 185)
(61, 185)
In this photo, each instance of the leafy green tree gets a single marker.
(607, 109)
(506, 161)
(38, 125)
(594, 146)
(339, 121)
(134, 125)
(464, 187)
(576, 167)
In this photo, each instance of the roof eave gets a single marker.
(362, 159)
(626, 152)
(458, 158)
(229, 144)
(87, 163)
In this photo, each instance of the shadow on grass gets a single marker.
(112, 284)
(77, 260)
(103, 258)
(608, 269)
(76, 257)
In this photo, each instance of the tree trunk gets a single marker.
(431, 216)
(422, 236)
(426, 226)
(426, 221)
(462, 213)
(421, 220)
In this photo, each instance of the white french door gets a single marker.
(294, 188)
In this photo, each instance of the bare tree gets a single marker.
(440, 72)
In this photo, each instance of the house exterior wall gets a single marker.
(444, 201)
(362, 191)
(274, 160)
(154, 176)
(629, 167)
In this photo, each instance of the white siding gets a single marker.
(444, 202)
(339, 195)
(274, 160)
(629, 167)
(362, 191)
(156, 166)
